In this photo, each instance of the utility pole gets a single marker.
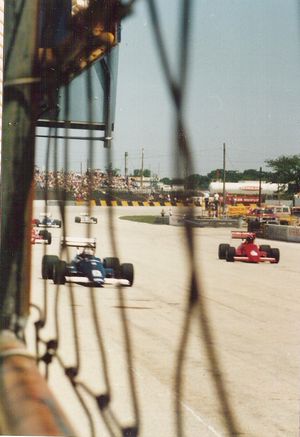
(259, 187)
(126, 165)
(224, 177)
(142, 167)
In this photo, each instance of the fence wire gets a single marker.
(48, 349)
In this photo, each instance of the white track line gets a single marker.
(197, 417)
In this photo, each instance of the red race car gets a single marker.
(40, 236)
(248, 251)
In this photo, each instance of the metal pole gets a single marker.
(224, 177)
(26, 403)
(107, 102)
(126, 165)
(259, 187)
(20, 103)
(142, 168)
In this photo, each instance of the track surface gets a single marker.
(253, 313)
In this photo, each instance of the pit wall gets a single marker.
(282, 233)
(132, 203)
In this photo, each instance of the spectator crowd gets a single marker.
(95, 184)
(82, 185)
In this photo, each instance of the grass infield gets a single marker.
(152, 219)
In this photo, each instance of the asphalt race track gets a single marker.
(253, 313)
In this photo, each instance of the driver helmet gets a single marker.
(88, 251)
(250, 238)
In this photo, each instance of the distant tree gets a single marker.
(146, 173)
(112, 171)
(214, 175)
(285, 171)
(231, 175)
(166, 181)
(250, 174)
(196, 181)
(177, 181)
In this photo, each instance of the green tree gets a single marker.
(146, 173)
(250, 174)
(166, 181)
(196, 181)
(231, 175)
(285, 171)
(112, 171)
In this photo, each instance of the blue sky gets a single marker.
(243, 86)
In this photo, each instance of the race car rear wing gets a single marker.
(78, 242)
(45, 214)
(242, 234)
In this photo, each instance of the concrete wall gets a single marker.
(283, 233)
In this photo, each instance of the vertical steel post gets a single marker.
(19, 113)
(224, 178)
(126, 165)
(259, 187)
(142, 169)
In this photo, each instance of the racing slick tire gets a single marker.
(222, 250)
(230, 254)
(49, 239)
(274, 253)
(48, 262)
(77, 219)
(112, 263)
(59, 272)
(265, 248)
(46, 236)
(127, 272)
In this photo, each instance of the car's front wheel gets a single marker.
(275, 254)
(127, 272)
(230, 254)
(222, 250)
(48, 262)
(59, 272)
(112, 263)
(265, 248)
(49, 239)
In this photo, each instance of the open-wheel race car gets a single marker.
(40, 236)
(86, 268)
(45, 220)
(84, 217)
(248, 251)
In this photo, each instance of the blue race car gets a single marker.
(86, 268)
(45, 220)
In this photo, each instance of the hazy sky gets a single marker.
(243, 86)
